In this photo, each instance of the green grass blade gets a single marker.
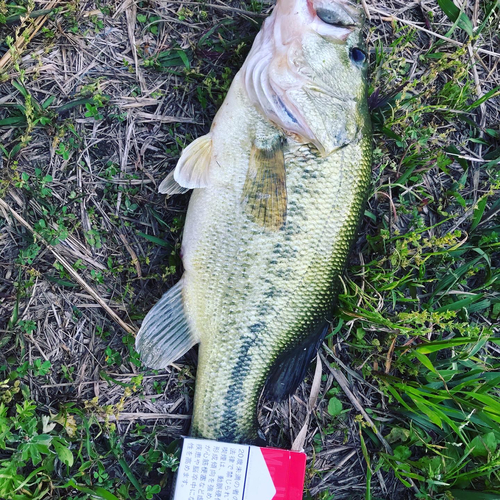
(75, 103)
(131, 477)
(457, 16)
(438, 345)
(489, 95)
(184, 58)
(13, 121)
(96, 492)
(459, 304)
(369, 473)
(425, 361)
(48, 101)
(20, 88)
(491, 402)
(155, 240)
(474, 495)
(478, 213)
(112, 381)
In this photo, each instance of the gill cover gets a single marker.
(277, 77)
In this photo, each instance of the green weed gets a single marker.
(425, 301)
(37, 445)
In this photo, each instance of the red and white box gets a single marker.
(211, 470)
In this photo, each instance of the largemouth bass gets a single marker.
(278, 189)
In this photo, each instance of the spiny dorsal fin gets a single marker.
(193, 168)
(170, 186)
(264, 192)
(165, 334)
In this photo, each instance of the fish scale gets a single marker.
(279, 185)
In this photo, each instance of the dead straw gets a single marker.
(26, 36)
(128, 328)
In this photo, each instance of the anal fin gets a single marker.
(264, 194)
(290, 368)
(165, 334)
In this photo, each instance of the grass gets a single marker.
(409, 404)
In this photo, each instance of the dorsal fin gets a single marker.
(264, 194)
(165, 334)
(193, 168)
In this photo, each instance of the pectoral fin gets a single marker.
(193, 168)
(165, 334)
(170, 186)
(264, 194)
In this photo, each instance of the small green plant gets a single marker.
(40, 367)
(98, 23)
(63, 151)
(151, 490)
(94, 238)
(27, 116)
(68, 372)
(93, 111)
(152, 22)
(113, 357)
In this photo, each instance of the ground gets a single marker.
(97, 100)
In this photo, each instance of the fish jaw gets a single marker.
(281, 65)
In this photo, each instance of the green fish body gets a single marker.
(279, 185)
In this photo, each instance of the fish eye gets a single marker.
(327, 16)
(336, 17)
(357, 55)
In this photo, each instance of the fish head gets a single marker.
(333, 49)
(307, 69)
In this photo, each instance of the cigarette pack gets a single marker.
(212, 470)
